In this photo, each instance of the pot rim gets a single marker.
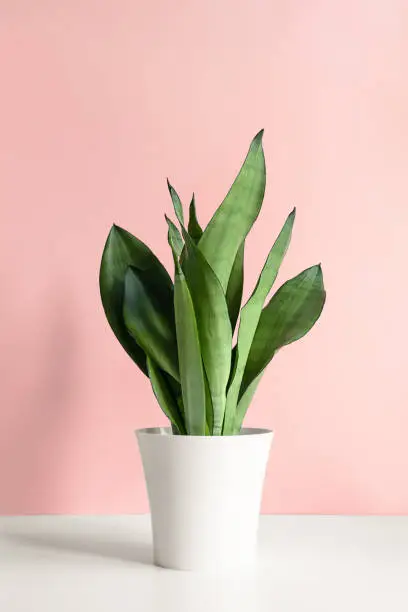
(166, 432)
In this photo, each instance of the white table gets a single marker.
(101, 564)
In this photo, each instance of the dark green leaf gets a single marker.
(174, 237)
(189, 352)
(250, 315)
(121, 250)
(150, 322)
(235, 286)
(209, 412)
(164, 396)
(194, 228)
(178, 207)
(289, 315)
(235, 216)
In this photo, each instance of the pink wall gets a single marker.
(100, 101)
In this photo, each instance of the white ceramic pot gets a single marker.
(205, 495)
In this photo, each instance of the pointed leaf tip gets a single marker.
(194, 228)
(258, 137)
(171, 224)
(290, 314)
(171, 189)
(177, 205)
(175, 241)
(234, 218)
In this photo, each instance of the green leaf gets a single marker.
(194, 228)
(174, 237)
(121, 250)
(213, 324)
(164, 396)
(250, 316)
(209, 412)
(234, 218)
(178, 207)
(189, 352)
(289, 315)
(245, 402)
(235, 286)
(150, 322)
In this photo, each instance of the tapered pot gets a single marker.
(205, 496)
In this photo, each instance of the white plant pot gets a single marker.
(205, 495)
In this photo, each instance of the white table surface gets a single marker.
(101, 564)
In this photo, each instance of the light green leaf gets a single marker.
(121, 250)
(189, 352)
(289, 315)
(178, 207)
(235, 216)
(245, 402)
(235, 286)
(250, 316)
(150, 322)
(213, 324)
(164, 396)
(194, 228)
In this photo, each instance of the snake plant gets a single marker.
(180, 334)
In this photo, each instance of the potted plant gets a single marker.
(205, 474)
